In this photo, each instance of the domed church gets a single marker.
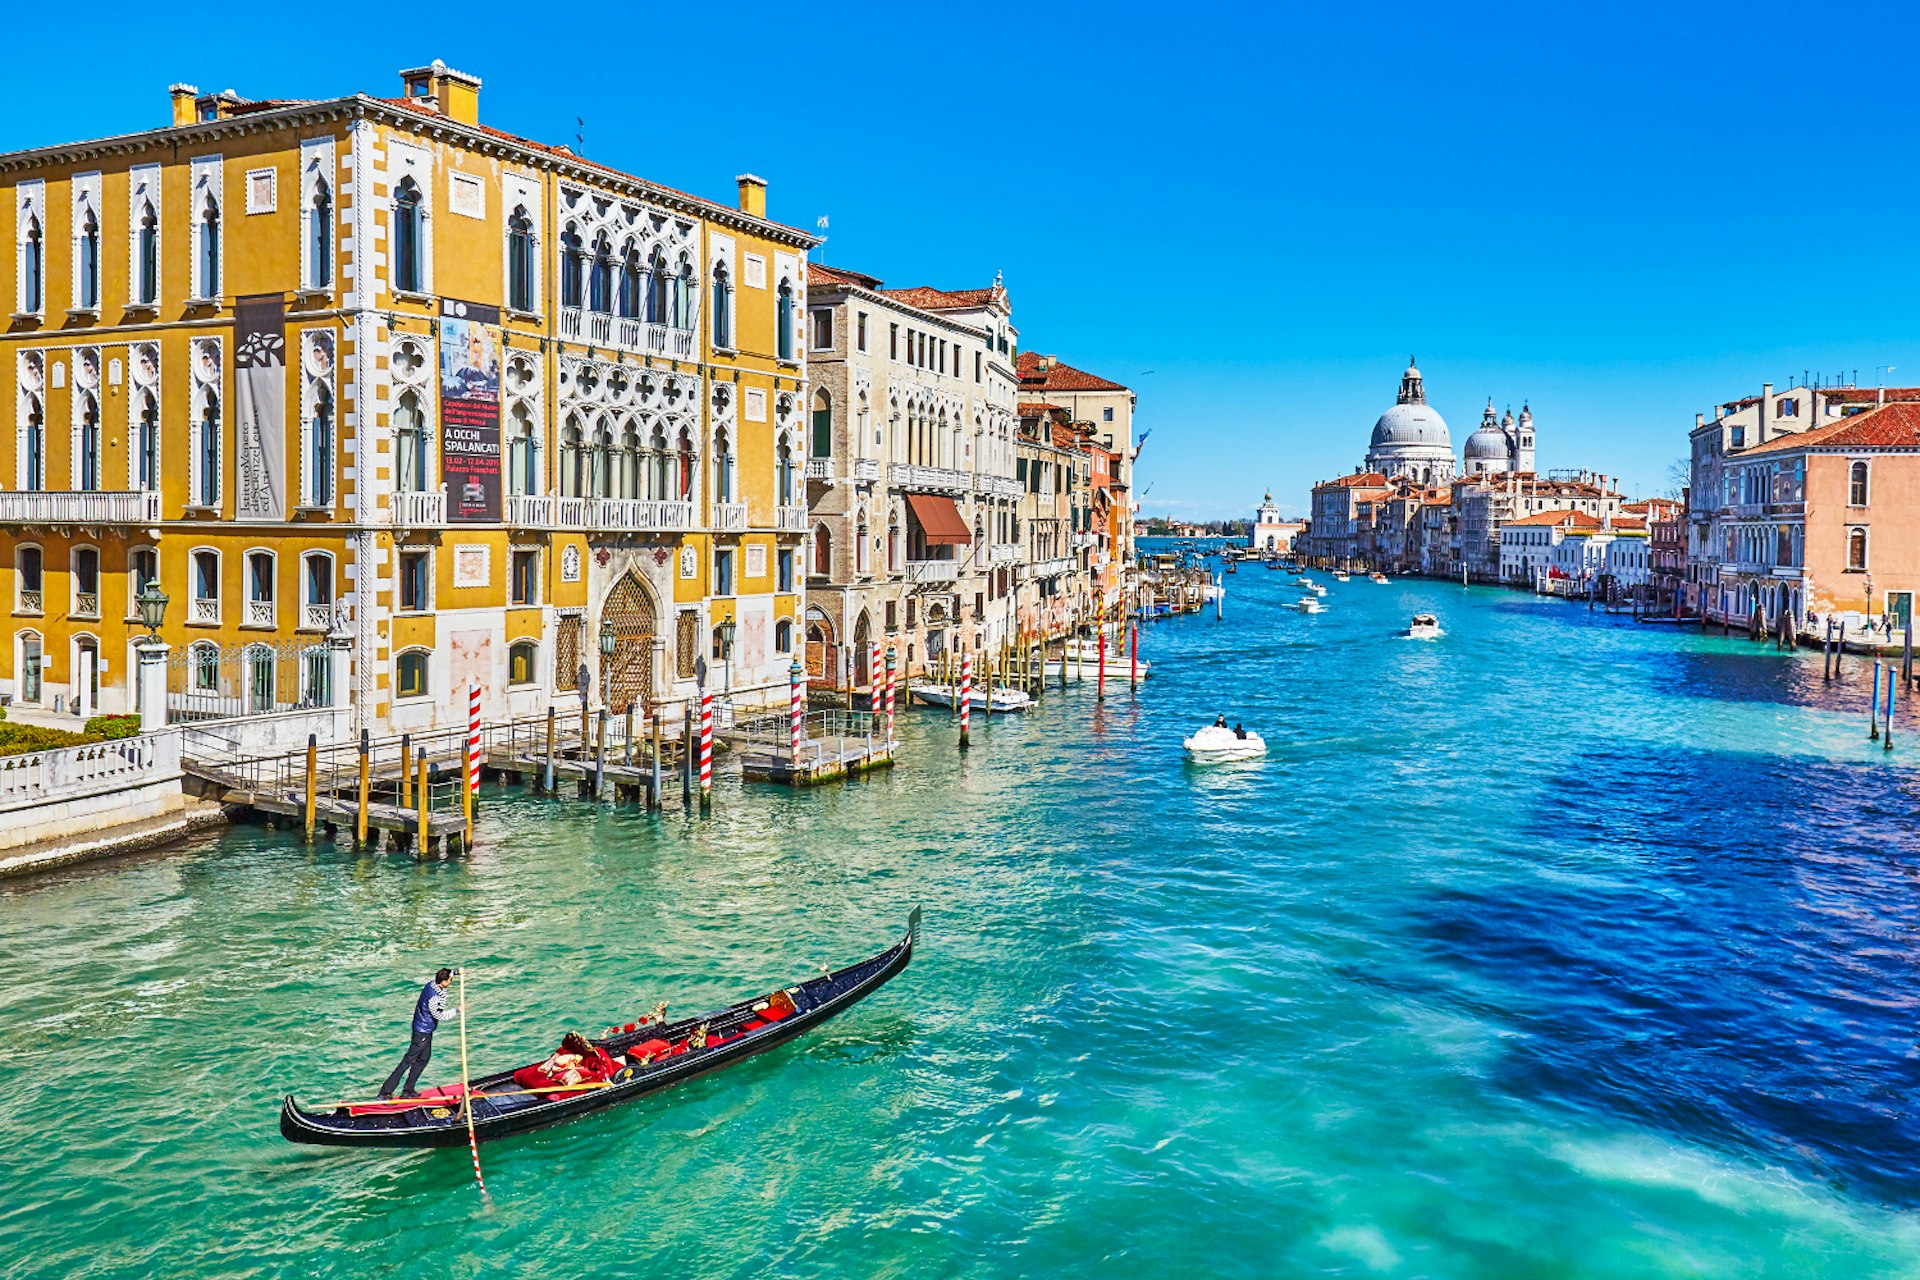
(1411, 438)
(1501, 446)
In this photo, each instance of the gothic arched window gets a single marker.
(722, 307)
(210, 248)
(320, 237)
(89, 260)
(520, 260)
(409, 268)
(784, 331)
(573, 266)
(146, 287)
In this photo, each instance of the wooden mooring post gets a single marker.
(549, 782)
(600, 758)
(422, 838)
(313, 782)
(1873, 707)
(366, 788)
(653, 792)
(406, 771)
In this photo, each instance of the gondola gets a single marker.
(647, 1057)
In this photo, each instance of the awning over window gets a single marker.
(944, 525)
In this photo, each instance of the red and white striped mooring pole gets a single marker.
(798, 675)
(473, 738)
(873, 685)
(966, 693)
(706, 749)
(892, 684)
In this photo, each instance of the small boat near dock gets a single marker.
(941, 695)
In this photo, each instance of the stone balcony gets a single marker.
(790, 519)
(930, 479)
(863, 470)
(421, 509)
(998, 486)
(729, 517)
(933, 571)
(1051, 568)
(625, 333)
(600, 515)
(820, 470)
(80, 507)
(1003, 553)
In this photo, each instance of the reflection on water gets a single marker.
(1559, 946)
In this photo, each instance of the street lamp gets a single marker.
(725, 631)
(152, 602)
(609, 638)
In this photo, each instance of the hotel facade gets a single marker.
(389, 403)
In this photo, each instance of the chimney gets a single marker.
(454, 94)
(183, 96)
(753, 195)
(1766, 399)
(1699, 420)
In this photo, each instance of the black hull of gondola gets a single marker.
(413, 1129)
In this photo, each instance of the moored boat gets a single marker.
(1341, 575)
(636, 1060)
(940, 695)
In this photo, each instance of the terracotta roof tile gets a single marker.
(1892, 426)
(928, 298)
(1560, 516)
(821, 273)
(1059, 376)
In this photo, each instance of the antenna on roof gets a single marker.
(580, 138)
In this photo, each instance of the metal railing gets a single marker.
(80, 507)
(209, 681)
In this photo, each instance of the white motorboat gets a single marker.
(1088, 651)
(1309, 604)
(1424, 627)
(1340, 575)
(940, 695)
(1303, 581)
(1215, 745)
(1316, 588)
(1117, 670)
(1376, 577)
(1212, 591)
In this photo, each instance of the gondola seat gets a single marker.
(439, 1095)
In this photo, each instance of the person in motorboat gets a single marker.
(1220, 722)
(1240, 731)
(429, 1011)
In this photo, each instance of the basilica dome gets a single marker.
(1488, 447)
(1411, 439)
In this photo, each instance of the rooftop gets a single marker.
(1049, 373)
(1891, 426)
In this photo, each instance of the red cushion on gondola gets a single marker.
(772, 1014)
(755, 1025)
(645, 1047)
(439, 1095)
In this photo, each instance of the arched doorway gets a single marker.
(626, 675)
(862, 648)
(820, 647)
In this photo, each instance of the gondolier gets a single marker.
(429, 1011)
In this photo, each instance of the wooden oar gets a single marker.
(466, 1090)
(509, 1093)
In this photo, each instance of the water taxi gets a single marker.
(1376, 577)
(1341, 575)
(1309, 604)
(1424, 627)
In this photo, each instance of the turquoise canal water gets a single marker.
(1558, 947)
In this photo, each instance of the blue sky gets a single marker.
(1622, 214)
